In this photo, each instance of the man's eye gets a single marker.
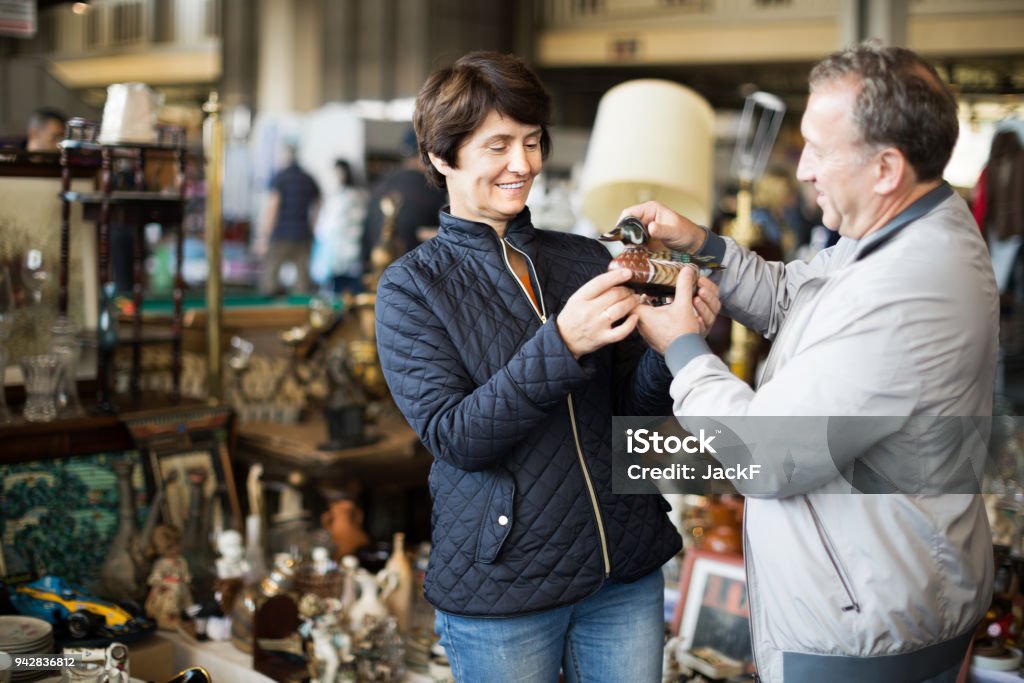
(497, 148)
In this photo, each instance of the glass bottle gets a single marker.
(399, 600)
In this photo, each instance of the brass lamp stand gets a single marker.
(759, 125)
(743, 342)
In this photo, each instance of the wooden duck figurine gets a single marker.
(654, 271)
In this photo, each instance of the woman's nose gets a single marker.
(518, 161)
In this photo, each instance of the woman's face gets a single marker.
(495, 168)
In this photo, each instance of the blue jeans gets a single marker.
(614, 635)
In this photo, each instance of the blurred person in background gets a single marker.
(286, 231)
(45, 129)
(418, 204)
(338, 234)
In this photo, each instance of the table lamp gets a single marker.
(652, 139)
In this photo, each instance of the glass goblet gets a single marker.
(42, 375)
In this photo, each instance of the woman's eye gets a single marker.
(497, 148)
(532, 145)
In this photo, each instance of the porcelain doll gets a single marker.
(168, 579)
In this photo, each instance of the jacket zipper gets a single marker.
(540, 298)
(590, 490)
(572, 411)
(833, 556)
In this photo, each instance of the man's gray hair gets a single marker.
(902, 103)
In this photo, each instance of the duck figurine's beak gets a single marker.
(629, 230)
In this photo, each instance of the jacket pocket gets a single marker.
(833, 556)
(497, 517)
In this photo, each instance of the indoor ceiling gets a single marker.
(577, 90)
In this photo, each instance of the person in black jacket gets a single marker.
(508, 349)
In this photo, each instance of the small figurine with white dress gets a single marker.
(168, 579)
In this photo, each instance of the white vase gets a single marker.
(370, 605)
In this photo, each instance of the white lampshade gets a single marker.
(652, 139)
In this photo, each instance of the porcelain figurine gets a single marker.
(168, 579)
(232, 563)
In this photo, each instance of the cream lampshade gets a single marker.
(652, 139)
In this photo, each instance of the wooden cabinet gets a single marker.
(128, 195)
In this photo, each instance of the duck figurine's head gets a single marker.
(629, 231)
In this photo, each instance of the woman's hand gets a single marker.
(591, 317)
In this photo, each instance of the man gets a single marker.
(900, 318)
(419, 202)
(286, 232)
(45, 130)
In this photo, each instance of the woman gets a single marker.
(508, 349)
(339, 229)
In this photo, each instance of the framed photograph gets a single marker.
(189, 456)
(712, 611)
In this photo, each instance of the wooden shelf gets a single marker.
(87, 146)
(81, 435)
(123, 197)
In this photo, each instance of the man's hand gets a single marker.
(688, 313)
(664, 224)
(588, 320)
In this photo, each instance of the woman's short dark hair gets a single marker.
(455, 101)
(902, 103)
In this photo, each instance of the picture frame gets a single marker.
(183, 444)
(712, 610)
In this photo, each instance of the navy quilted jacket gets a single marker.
(523, 514)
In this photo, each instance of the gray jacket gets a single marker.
(901, 324)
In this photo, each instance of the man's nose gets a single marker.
(804, 171)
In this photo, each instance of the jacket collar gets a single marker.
(923, 205)
(474, 235)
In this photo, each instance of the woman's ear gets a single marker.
(440, 164)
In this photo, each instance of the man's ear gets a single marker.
(440, 164)
(891, 169)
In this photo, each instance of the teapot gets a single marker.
(373, 590)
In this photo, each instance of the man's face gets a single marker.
(495, 169)
(836, 162)
(45, 137)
